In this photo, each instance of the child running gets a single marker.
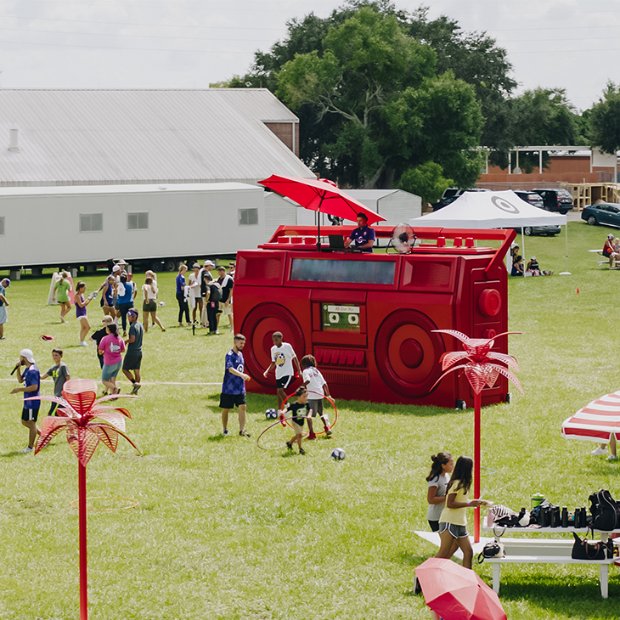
(317, 390)
(438, 479)
(60, 373)
(298, 410)
(31, 378)
(453, 518)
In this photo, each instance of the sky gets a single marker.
(570, 44)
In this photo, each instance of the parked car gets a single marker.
(451, 194)
(556, 199)
(606, 213)
(536, 201)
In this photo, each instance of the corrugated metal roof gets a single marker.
(140, 136)
(62, 190)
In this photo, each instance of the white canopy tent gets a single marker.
(490, 210)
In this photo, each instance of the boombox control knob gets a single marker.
(490, 302)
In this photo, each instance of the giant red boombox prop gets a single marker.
(369, 318)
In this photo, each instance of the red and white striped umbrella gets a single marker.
(597, 421)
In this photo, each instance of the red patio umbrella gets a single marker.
(456, 593)
(320, 195)
(597, 421)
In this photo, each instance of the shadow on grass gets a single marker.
(13, 453)
(553, 596)
(218, 437)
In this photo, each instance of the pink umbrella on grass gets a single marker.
(87, 422)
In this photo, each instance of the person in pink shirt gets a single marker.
(111, 347)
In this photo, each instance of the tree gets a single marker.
(388, 109)
(605, 119)
(425, 180)
(358, 49)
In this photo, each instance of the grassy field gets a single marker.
(201, 527)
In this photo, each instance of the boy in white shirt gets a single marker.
(282, 359)
(317, 390)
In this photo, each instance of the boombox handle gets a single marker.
(284, 236)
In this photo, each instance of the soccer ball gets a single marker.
(271, 414)
(162, 304)
(338, 454)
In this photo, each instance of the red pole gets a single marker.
(477, 407)
(83, 542)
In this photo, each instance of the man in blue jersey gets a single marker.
(361, 238)
(31, 378)
(233, 386)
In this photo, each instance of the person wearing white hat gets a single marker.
(4, 284)
(31, 378)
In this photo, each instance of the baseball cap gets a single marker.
(27, 353)
(116, 268)
(121, 262)
(132, 311)
(195, 266)
(209, 263)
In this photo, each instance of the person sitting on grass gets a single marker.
(31, 378)
(60, 373)
(517, 266)
(453, 518)
(298, 410)
(533, 268)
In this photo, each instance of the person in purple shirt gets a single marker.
(361, 238)
(181, 295)
(31, 378)
(233, 386)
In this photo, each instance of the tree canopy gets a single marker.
(605, 119)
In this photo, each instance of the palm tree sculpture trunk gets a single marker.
(86, 422)
(481, 367)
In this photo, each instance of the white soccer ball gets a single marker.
(162, 303)
(271, 414)
(338, 454)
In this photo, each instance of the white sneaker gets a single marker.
(83, 344)
(612, 457)
(26, 451)
(599, 451)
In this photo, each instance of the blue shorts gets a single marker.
(110, 371)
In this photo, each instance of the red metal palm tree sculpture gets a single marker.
(482, 367)
(87, 422)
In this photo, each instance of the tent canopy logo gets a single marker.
(504, 205)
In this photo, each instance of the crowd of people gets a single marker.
(119, 339)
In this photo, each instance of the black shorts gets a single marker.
(132, 361)
(284, 382)
(30, 414)
(229, 401)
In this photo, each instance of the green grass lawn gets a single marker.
(201, 527)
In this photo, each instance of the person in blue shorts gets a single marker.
(31, 378)
(233, 386)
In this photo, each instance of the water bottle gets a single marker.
(564, 516)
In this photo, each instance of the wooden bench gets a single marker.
(544, 551)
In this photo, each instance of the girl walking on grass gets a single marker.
(437, 479)
(80, 311)
(453, 518)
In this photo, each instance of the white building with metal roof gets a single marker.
(83, 137)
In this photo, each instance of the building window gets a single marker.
(1, 225)
(248, 217)
(91, 222)
(138, 221)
